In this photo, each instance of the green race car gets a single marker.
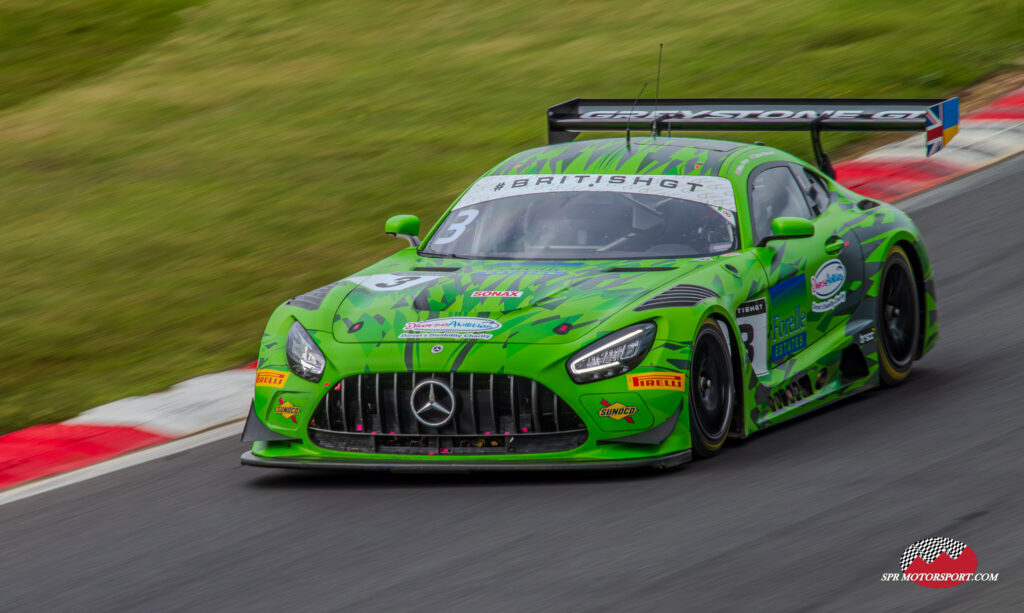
(610, 303)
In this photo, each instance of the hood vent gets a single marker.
(678, 296)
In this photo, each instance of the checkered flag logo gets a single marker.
(929, 549)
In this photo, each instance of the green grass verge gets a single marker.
(49, 45)
(154, 215)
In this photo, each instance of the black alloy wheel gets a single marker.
(711, 391)
(898, 318)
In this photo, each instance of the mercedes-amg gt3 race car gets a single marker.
(610, 303)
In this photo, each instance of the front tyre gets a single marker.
(711, 391)
(898, 318)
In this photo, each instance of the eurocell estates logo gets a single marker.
(939, 563)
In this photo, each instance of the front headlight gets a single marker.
(612, 355)
(304, 357)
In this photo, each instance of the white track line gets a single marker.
(124, 461)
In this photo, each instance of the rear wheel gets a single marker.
(898, 318)
(711, 391)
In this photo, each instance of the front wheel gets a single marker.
(898, 318)
(711, 391)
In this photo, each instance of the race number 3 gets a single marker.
(396, 282)
(391, 281)
(456, 227)
(752, 320)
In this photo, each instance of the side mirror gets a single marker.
(404, 226)
(789, 227)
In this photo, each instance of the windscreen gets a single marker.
(589, 217)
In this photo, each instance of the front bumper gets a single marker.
(288, 416)
(660, 462)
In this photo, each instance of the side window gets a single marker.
(775, 193)
(815, 187)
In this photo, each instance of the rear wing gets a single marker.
(938, 118)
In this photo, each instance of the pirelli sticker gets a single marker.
(657, 381)
(271, 378)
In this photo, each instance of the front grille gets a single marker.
(493, 414)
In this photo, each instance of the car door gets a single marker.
(838, 282)
(806, 275)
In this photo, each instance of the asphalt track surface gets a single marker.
(800, 518)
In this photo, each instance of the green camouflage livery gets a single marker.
(791, 350)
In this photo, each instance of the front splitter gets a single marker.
(660, 462)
